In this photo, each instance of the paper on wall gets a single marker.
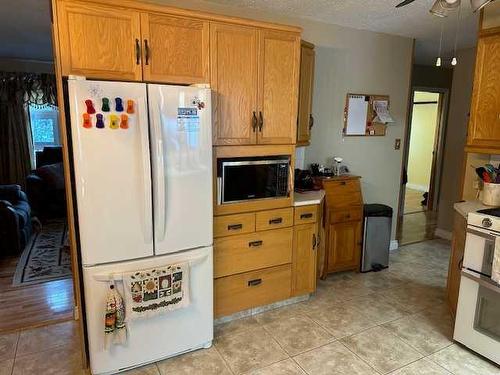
(357, 111)
(381, 108)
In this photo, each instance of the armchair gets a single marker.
(15, 220)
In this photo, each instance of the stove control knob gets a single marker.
(487, 223)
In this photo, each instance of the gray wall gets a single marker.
(432, 76)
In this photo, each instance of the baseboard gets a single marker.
(441, 233)
(421, 188)
(394, 245)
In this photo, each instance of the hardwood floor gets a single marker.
(412, 201)
(32, 305)
(417, 227)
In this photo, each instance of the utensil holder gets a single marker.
(491, 194)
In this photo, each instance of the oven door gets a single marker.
(477, 324)
(480, 250)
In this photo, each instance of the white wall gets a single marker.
(349, 60)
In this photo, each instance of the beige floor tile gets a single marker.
(51, 362)
(145, 370)
(6, 367)
(298, 334)
(381, 349)
(204, 361)
(378, 309)
(333, 358)
(286, 367)
(8, 344)
(249, 350)
(48, 337)
(341, 321)
(281, 313)
(426, 333)
(421, 367)
(235, 326)
(461, 361)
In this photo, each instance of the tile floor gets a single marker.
(394, 321)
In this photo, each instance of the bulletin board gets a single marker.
(360, 116)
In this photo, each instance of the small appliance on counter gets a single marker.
(303, 180)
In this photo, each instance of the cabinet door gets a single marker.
(279, 61)
(484, 127)
(98, 41)
(304, 259)
(305, 118)
(177, 49)
(233, 60)
(344, 246)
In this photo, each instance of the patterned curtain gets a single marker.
(17, 91)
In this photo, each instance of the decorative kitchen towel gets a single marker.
(115, 330)
(156, 291)
(495, 270)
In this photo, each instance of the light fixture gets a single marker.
(438, 61)
(454, 61)
(457, 31)
(441, 8)
(478, 4)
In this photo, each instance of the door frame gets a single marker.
(439, 145)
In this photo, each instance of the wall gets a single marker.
(423, 131)
(456, 132)
(349, 60)
(432, 76)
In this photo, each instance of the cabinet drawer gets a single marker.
(249, 252)
(306, 214)
(274, 219)
(340, 216)
(234, 224)
(343, 193)
(252, 289)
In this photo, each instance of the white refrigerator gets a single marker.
(143, 178)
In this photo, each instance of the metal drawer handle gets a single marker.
(306, 216)
(137, 52)
(255, 243)
(254, 121)
(261, 121)
(255, 282)
(314, 241)
(146, 49)
(234, 226)
(278, 220)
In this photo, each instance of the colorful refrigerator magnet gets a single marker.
(124, 121)
(90, 107)
(114, 121)
(100, 121)
(105, 105)
(118, 104)
(87, 121)
(130, 106)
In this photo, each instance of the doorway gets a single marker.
(422, 167)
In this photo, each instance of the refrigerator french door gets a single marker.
(143, 179)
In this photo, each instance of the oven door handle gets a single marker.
(481, 234)
(483, 281)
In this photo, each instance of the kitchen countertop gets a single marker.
(309, 197)
(463, 208)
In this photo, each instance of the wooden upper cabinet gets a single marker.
(233, 60)
(306, 84)
(278, 86)
(175, 50)
(484, 126)
(98, 41)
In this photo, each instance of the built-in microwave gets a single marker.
(247, 178)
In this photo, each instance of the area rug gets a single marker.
(46, 257)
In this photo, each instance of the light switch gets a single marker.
(397, 144)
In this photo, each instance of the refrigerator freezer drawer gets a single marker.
(150, 339)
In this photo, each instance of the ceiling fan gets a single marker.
(440, 8)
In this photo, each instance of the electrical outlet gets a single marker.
(397, 144)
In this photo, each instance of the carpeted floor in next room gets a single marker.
(394, 321)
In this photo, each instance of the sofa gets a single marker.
(15, 220)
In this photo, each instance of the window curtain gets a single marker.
(17, 91)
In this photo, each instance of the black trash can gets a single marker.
(376, 237)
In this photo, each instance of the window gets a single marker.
(44, 126)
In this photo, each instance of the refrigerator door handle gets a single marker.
(146, 166)
(160, 180)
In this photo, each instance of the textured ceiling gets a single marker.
(413, 20)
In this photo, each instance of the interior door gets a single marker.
(99, 41)
(304, 259)
(176, 49)
(279, 56)
(233, 60)
(181, 147)
(112, 170)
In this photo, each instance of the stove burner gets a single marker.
(490, 211)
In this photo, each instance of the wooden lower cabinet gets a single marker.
(305, 239)
(256, 288)
(344, 248)
(456, 259)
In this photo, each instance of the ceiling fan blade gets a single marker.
(405, 2)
